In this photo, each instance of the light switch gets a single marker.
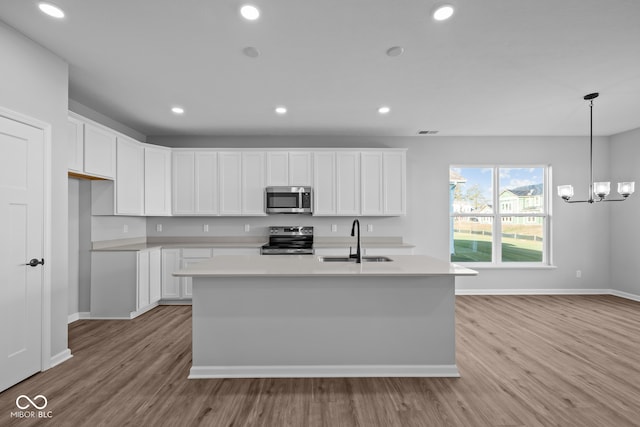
(247, 228)
(205, 228)
(334, 227)
(369, 228)
(125, 228)
(158, 227)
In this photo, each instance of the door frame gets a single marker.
(45, 357)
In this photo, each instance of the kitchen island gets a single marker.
(296, 316)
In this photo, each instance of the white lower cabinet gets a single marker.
(124, 284)
(180, 288)
(170, 284)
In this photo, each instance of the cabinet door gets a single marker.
(129, 178)
(155, 275)
(170, 264)
(206, 183)
(143, 279)
(157, 181)
(394, 168)
(277, 168)
(230, 182)
(324, 183)
(300, 168)
(183, 177)
(372, 194)
(99, 152)
(253, 178)
(75, 145)
(187, 282)
(348, 183)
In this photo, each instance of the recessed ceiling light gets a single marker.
(249, 12)
(395, 51)
(51, 10)
(443, 12)
(251, 52)
(281, 110)
(177, 110)
(384, 110)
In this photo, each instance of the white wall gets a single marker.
(79, 291)
(73, 288)
(625, 217)
(35, 83)
(580, 242)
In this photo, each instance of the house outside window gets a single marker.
(515, 232)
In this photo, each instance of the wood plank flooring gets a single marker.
(524, 361)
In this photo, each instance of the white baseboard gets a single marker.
(625, 295)
(322, 371)
(534, 291)
(82, 315)
(60, 357)
(137, 313)
(176, 302)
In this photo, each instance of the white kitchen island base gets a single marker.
(360, 324)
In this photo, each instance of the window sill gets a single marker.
(489, 266)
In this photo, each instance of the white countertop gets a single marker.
(309, 265)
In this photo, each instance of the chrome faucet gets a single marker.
(358, 254)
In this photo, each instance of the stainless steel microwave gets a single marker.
(288, 200)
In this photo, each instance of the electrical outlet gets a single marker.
(125, 228)
(205, 228)
(158, 227)
(369, 228)
(578, 274)
(334, 227)
(247, 228)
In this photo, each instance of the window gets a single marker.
(499, 215)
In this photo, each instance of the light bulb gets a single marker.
(565, 191)
(601, 189)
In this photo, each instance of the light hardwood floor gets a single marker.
(524, 361)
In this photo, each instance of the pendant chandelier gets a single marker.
(598, 189)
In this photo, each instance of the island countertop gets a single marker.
(310, 265)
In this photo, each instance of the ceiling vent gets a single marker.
(427, 132)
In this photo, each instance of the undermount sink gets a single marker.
(347, 259)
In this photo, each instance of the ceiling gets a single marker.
(496, 67)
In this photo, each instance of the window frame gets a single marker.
(496, 218)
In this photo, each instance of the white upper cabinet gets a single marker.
(289, 168)
(336, 188)
(300, 168)
(363, 182)
(129, 177)
(394, 166)
(384, 183)
(277, 168)
(324, 183)
(184, 181)
(372, 186)
(253, 182)
(230, 182)
(157, 181)
(75, 145)
(206, 183)
(348, 183)
(195, 183)
(99, 151)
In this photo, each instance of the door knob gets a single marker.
(34, 262)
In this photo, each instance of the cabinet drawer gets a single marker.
(197, 253)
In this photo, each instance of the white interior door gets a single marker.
(21, 240)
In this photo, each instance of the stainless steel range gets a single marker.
(289, 240)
